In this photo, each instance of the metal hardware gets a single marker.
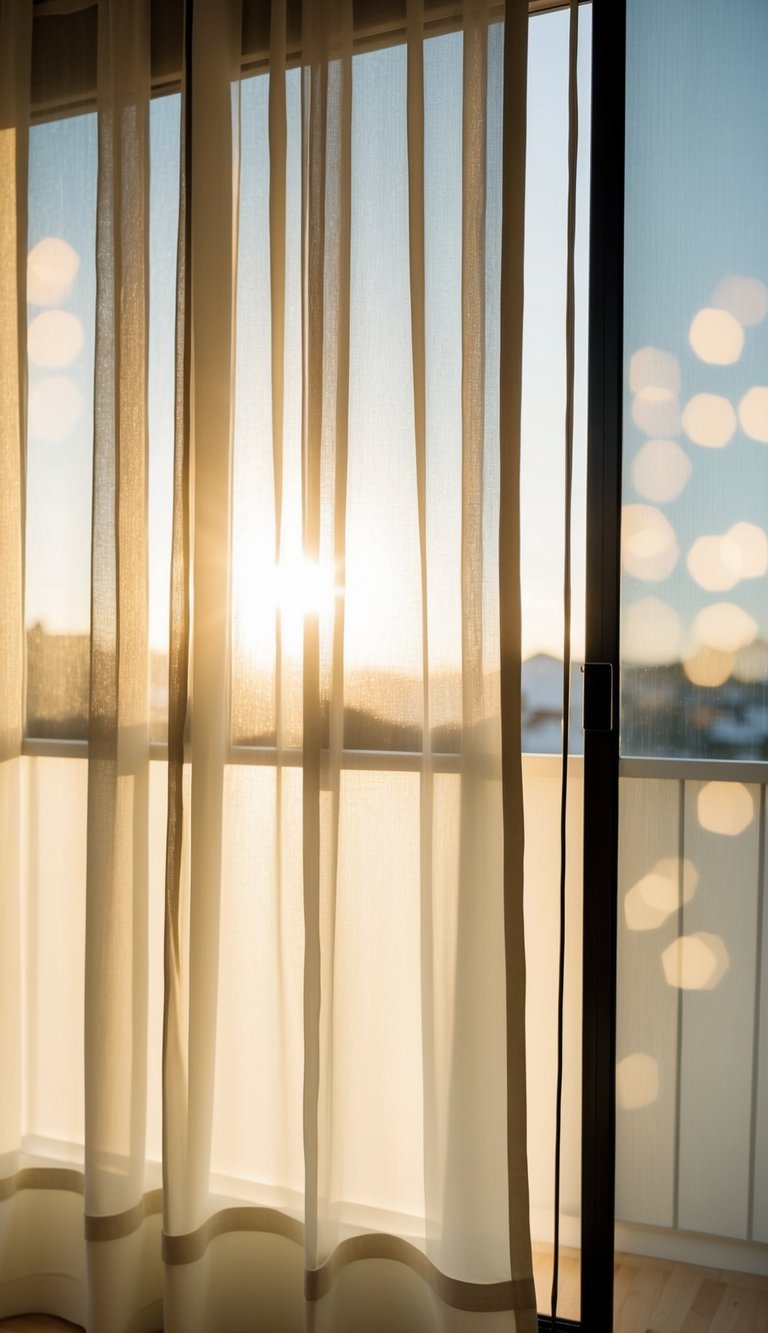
(597, 708)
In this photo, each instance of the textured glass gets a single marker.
(695, 523)
(691, 1049)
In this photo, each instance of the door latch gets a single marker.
(597, 706)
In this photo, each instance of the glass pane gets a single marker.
(543, 416)
(692, 1040)
(164, 131)
(61, 291)
(694, 543)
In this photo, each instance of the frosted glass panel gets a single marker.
(695, 520)
(692, 1038)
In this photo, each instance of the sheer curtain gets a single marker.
(262, 1024)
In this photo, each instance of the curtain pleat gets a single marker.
(570, 361)
(510, 379)
(213, 259)
(175, 1028)
(343, 1056)
(278, 148)
(116, 941)
(15, 55)
(416, 273)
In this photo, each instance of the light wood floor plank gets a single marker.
(624, 1303)
(641, 1298)
(744, 1280)
(738, 1311)
(704, 1307)
(569, 1294)
(680, 1290)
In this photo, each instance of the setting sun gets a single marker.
(302, 587)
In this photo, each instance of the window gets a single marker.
(383, 746)
(695, 550)
(691, 1042)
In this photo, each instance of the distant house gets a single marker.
(58, 674)
(58, 683)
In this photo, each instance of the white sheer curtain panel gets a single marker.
(262, 987)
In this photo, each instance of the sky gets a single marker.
(382, 605)
(62, 205)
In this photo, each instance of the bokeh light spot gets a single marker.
(716, 337)
(637, 1081)
(54, 339)
(725, 626)
(745, 550)
(753, 413)
(708, 667)
(717, 563)
(744, 298)
(725, 807)
(52, 267)
(649, 549)
(651, 632)
(709, 420)
(660, 470)
(656, 416)
(658, 894)
(708, 565)
(695, 962)
(654, 373)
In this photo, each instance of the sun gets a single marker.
(301, 587)
(288, 592)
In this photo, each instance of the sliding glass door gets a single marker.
(692, 986)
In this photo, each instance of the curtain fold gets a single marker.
(15, 55)
(117, 869)
(510, 618)
(343, 1054)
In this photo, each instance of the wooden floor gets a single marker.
(651, 1297)
(654, 1296)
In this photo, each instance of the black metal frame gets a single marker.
(601, 748)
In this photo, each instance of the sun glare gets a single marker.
(299, 588)
(294, 589)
